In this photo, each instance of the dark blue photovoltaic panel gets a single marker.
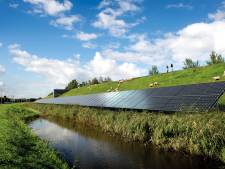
(195, 97)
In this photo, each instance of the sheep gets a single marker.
(216, 78)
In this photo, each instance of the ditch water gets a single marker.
(92, 149)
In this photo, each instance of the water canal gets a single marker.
(92, 149)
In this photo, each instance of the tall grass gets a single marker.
(19, 147)
(194, 133)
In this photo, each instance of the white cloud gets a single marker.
(66, 22)
(104, 3)
(50, 7)
(56, 71)
(110, 19)
(219, 14)
(194, 41)
(86, 36)
(179, 5)
(56, 9)
(59, 72)
(88, 45)
(13, 5)
(102, 66)
(1, 83)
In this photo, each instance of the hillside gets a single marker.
(187, 76)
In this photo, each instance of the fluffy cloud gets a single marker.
(66, 22)
(104, 3)
(110, 19)
(57, 9)
(86, 36)
(102, 66)
(50, 7)
(56, 71)
(179, 5)
(59, 72)
(219, 14)
(195, 41)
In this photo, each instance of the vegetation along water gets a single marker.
(193, 133)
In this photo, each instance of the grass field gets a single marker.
(19, 147)
(187, 76)
(194, 133)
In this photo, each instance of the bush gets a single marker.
(189, 63)
(215, 58)
(154, 70)
(73, 84)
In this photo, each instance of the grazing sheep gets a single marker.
(156, 83)
(151, 85)
(216, 78)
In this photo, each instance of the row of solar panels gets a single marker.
(196, 97)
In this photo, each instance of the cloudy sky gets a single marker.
(46, 43)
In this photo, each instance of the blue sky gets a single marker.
(46, 43)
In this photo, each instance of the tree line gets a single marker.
(75, 84)
(189, 63)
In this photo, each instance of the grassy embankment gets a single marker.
(194, 133)
(19, 147)
(187, 76)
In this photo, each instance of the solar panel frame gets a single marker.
(195, 97)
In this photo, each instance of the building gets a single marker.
(58, 92)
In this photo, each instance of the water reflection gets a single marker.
(95, 150)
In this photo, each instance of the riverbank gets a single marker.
(20, 148)
(193, 133)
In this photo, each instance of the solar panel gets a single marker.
(195, 97)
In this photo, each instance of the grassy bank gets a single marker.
(181, 77)
(19, 147)
(196, 133)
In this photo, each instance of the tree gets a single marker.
(82, 84)
(154, 70)
(89, 82)
(107, 79)
(167, 68)
(171, 67)
(73, 84)
(189, 63)
(100, 80)
(215, 58)
(95, 81)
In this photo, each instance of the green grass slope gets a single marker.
(19, 147)
(187, 76)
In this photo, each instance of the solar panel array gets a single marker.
(196, 97)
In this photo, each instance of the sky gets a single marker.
(44, 44)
